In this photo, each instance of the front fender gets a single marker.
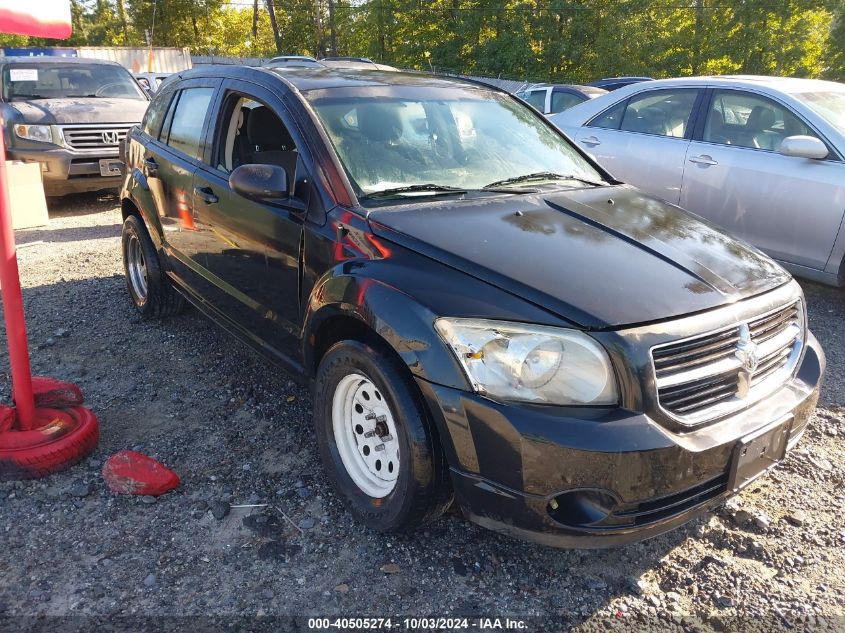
(406, 325)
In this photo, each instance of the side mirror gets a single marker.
(264, 183)
(803, 147)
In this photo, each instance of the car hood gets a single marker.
(81, 110)
(599, 257)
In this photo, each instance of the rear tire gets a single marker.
(362, 401)
(149, 288)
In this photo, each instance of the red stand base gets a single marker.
(63, 433)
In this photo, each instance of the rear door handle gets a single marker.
(704, 159)
(206, 195)
(591, 140)
(152, 167)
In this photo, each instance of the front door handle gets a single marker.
(152, 167)
(206, 195)
(591, 141)
(704, 159)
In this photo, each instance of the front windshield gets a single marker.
(54, 81)
(830, 105)
(448, 137)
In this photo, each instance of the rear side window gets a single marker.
(609, 119)
(536, 98)
(658, 112)
(564, 100)
(189, 115)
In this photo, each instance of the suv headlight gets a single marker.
(35, 132)
(527, 363)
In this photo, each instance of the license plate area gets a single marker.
(756, 453)
(110, 167)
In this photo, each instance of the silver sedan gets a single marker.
(761, 157)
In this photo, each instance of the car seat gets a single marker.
(649, 120)
(757, 129)
(715, 130)
(270, 142)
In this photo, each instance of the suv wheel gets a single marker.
(150, 290)
(377, 441)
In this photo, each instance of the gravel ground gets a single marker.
(238, 431)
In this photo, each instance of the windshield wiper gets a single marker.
(26, 97)
(398, 191)
(540, 175)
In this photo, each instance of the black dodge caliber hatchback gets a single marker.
(481, 311)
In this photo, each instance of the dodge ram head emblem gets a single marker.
(746, 353)
(110, 137)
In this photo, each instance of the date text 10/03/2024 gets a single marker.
(425, 624)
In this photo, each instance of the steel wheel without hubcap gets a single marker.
(137, 268)
(365, 434)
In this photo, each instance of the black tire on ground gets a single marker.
(33, 462)
(161, 299)
(423, 490)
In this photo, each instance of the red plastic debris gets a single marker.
(133, 473)
(55, 394)
(7, 418)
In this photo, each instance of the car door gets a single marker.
(643, 140)
(170, 160)
(790, 207)
(252, 248)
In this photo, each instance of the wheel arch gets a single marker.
(336, 322)
(381, 314)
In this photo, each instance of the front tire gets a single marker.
(377, 441)
(149, 288)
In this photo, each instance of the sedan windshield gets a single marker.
(829, 105)
(22, 82)
(444, 138)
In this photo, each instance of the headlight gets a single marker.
(526, 363)
(35, 132)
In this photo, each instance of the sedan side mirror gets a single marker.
(264, 183)
(803, 147)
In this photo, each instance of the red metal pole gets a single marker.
(10, 284)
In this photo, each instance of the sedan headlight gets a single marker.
(35, 133)
(527, 363)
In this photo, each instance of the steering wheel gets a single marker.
(103, 91)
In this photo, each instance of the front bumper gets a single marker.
(65, 171)
(594, 477)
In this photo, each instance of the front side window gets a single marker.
(26, 82)
(185, 132)
(660, 112)
(252, 133)
(830, 105)
(745, 119)
(154, 115)
(449, 137)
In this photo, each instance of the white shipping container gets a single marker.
(137, 60)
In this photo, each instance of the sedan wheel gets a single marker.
(136, 268)
(366, 435)
(377, 441)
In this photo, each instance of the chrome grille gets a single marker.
(714, 374)
(94, 136)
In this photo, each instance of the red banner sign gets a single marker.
(42, 18)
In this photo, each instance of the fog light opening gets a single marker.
(581, 508)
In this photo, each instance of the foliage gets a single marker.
(541, 40)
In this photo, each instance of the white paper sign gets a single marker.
(23, 74)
